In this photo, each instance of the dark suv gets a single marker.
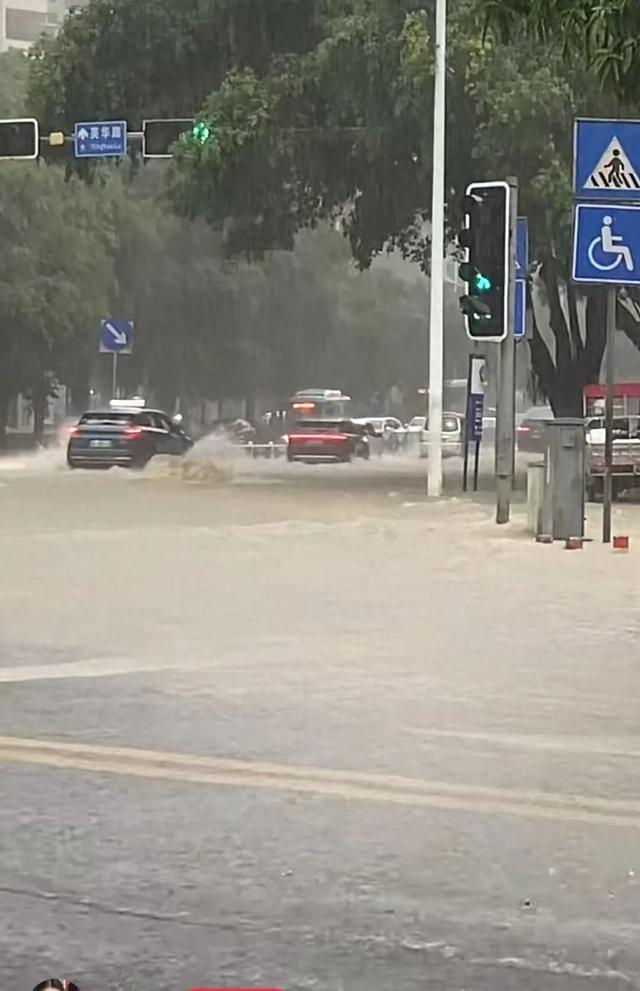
(104, 438)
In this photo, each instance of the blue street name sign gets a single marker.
(606, 244)
(100, 139)
(116, 336)
(606, 160)
(522, 248)
(520, 321)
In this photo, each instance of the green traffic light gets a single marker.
(482, 284)
(201, 132)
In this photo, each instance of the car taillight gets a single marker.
(522, 430)
(72, 431)
(318, 438)
(132, 432)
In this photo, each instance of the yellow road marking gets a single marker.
(346, 785)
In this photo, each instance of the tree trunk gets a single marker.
(39, 395)
(577, 363)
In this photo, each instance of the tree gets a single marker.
(55, 277)
(605, 34)
(283, 154)
(338, 129)
(14, 75)
(140, 58)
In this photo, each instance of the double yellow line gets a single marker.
(350, 786)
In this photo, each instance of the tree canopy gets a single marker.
(321, 112)
(605, 34)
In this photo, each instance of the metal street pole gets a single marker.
(505, 414)
(436, 315)
(607, 495)
(114, 376)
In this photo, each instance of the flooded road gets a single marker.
(293, 726)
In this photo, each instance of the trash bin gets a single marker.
(565, 460)
(535, 497)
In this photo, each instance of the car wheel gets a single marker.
(346, 459)
(140, 461)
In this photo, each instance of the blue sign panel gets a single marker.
(116, 336)
(100, 139)
(522, 248)
(476, 384)
(606, 164)
(606, 244)
(475, 414)
(520, 321)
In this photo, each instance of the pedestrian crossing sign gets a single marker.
(614, 170)
(607, 160)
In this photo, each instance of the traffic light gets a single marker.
(159, 135)
(201, 132)
(19, 138)
(486, 268)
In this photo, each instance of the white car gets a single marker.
(389, 429)
(452, 434)
(381, 425)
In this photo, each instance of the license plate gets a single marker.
(100, 443)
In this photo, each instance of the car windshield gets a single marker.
(109, 417)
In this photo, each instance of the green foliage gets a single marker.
(55, 274)
(158, 58)
(14, 74)
(605, 34)
(336, 126)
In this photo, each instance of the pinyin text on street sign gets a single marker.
(476, 385)
(607, 160)
(116, 336)
(522, 248)
(100, 139)
(606, 244)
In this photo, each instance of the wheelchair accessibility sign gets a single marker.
(606, 244)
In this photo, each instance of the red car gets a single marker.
(327, 441)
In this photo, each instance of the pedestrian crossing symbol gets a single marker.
(614, 170)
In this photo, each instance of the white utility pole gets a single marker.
(436, 318)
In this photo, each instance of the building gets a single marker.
(23, 21)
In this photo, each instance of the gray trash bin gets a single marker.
(565, 476)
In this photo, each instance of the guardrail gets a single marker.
(268, 451)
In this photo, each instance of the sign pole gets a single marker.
(608, 415)
(467, 425)
(436, 313)
(465, 463)
(476, 465)
(114, 376)
(505, 420)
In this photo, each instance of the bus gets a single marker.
(318, 404)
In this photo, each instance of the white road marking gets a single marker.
(93, 667)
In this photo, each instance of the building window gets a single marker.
(24, 25)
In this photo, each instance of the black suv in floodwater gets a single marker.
(129, 437)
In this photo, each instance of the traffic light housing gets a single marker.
(19, 138)
(159, 135)
(486, 267)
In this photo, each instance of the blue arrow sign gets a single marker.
(100, 139)
(606, 244)
(522, 248)
(606, 160)
(520, 321)
(116, 336)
